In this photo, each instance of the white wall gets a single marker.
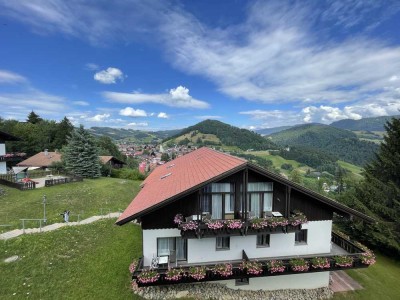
(3, 167)
(281, 282)
(150, 241)
(318, 242)
(2, 149)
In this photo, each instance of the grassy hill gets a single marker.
(137, 136)
(88, 198)
(338, 143)
(212, 132)
(268, 131)
(365, 124)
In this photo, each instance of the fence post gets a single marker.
(23, 226)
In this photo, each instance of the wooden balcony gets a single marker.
(12, 157)
(205, 229)
(349, 249)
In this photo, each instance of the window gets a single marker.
(223, 243)
(218, 199)
(301, 237)
(166, 245)
(260, 195)
(263, 240)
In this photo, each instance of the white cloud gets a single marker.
(394, 78)
(277, 55)
(99, 118)
(178, 97)
(11, 77)
(162, 115)
(131, 112)
(141, 124)
(208, 117)
(92, 67)
(109, 76)
(81, 103)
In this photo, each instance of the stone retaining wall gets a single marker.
(221, 292)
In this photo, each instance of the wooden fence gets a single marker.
(51, 182)
(23, 186)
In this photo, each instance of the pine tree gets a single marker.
(380, 193)
(81, 154)
(33, 118)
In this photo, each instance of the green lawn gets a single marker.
(380, 281)
(77, 262)
(356, 170)
(86, 198)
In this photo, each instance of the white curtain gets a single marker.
(221, 187)
(180, 248)
(164, 245)
(255, 204)
(260, 187)
(267, 201)
(216, 206)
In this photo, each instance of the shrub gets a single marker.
(125, 173)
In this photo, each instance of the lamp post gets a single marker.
(44, 209)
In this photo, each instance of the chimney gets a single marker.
(46, 152)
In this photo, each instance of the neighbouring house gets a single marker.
(112, 161)
(44, 159)
(4, 157)
(41, 160)
(217, 217)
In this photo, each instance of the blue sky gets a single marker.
(155, 65)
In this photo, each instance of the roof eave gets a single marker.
(330, 202)
(182, 194)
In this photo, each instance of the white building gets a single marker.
(235, 214)
(3, 157)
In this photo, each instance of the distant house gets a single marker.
(3, 156)
(112, 161)
(208, 210)
(44, 159)
(41, 160)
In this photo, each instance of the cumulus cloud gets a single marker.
(81, 103)
(11, 77)
(140, 124)
(178, 97)
(162, 115)
(99, 118)
(131, 112)
(92, 67)
(109, 76)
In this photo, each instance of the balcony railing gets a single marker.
(12, 157)
(269, 225)
(236, 270)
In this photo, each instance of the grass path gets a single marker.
(85, 198)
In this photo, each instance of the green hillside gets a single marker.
(138, 136)
(268, 131)
(221, 134)
(338, 143)
(365, 124)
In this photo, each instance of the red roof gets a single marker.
(179, 175)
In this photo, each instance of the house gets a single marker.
(41, 160)
(112, 161)
(44, 160)
(208, 211)
(4, 158)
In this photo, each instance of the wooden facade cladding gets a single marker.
(286, 199)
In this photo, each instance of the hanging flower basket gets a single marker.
(299, 265)
(174, 274)
(368, 258)
(275, 266)
(148, 276)
(225, 270)
(178, 219)
(343, 261)
(198, 273)
(320, 263)
(251, 267)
